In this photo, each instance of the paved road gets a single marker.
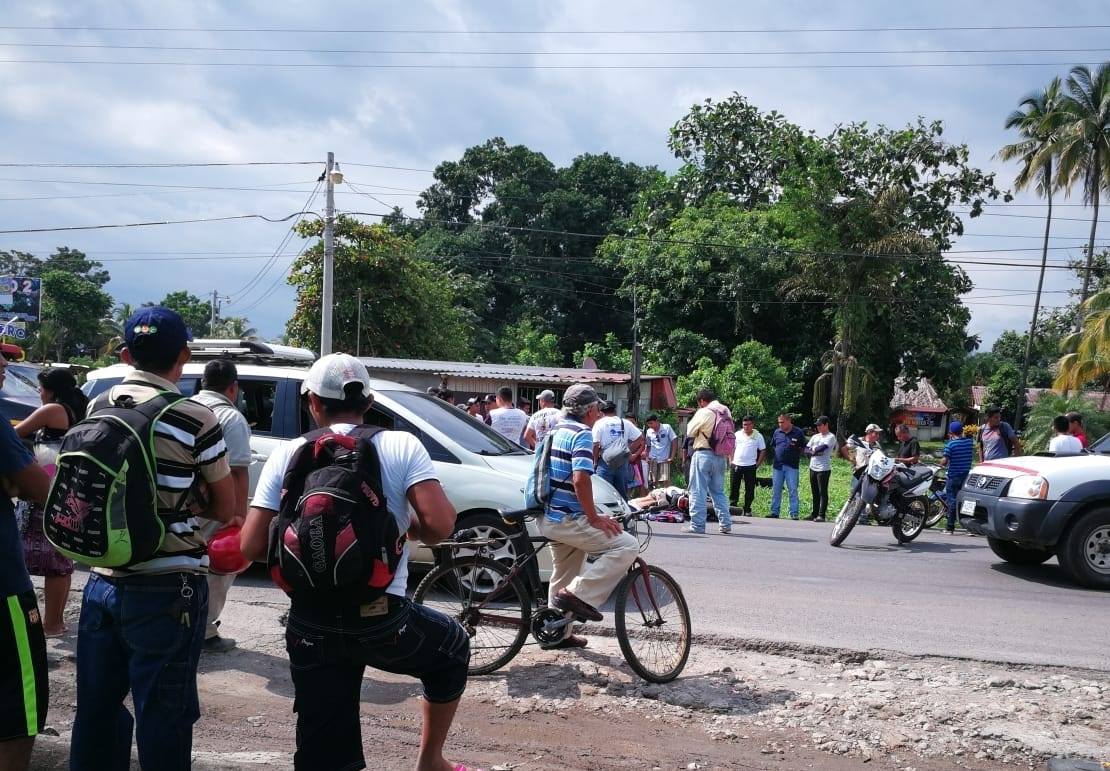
(781, 581)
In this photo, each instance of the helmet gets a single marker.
(880, 466)
(224, 555)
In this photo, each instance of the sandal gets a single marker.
(573, 641)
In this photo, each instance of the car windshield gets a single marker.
(468, 433)
(1102, 446)
(21, 382)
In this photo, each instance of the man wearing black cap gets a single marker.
(142, 626)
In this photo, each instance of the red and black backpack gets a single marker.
(334, 535)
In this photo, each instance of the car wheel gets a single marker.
(485, 525)
(1084, 552)
(1018, 554)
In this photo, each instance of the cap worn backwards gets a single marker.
(330, 375)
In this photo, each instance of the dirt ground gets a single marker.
(739, 704)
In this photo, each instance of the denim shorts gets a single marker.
(329, 652)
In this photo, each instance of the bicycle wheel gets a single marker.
(494, 610)
(938, 510)
(653, 624)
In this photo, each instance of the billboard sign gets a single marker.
(20, 297)
(16, 329)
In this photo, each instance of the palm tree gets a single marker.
(1086, 356)
(1037, 119)
(1082, 145)
(122, 312)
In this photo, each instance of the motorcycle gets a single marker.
(890, 492)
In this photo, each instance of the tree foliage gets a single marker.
(526, 342)
(609, 355)
(752, 382)
(1038, 427)
(410, 306)
(195, 312)
(525, 232)
(1004, 389)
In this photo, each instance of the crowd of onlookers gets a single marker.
(722, 477)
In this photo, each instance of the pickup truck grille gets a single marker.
(984, 484)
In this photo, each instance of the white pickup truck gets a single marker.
(1033, 507)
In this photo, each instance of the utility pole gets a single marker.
(634, 386)
(327, 300)
(214, 312)
(358, 325)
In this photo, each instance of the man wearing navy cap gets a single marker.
(142, 626)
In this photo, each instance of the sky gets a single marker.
(93, 95)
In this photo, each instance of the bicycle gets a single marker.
(938, 502)
(500, 605)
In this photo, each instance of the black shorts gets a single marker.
(328, 657)
(24, 695)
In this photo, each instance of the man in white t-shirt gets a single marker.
(820, 450)
(662, 445)
(751, 449)
(542, 420)
(330, 640)
(610, 430)
(506, 419)
(1063, 443)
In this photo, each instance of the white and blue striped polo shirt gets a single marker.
(572, 449)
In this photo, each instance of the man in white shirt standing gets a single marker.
(820, 450)
(662, 445)
(611, 430)
(751, 449)
(219, 392)
(542, 420)
(1063, 443)
(506, 419)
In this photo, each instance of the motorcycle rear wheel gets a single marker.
(846, 519)
(908, 526)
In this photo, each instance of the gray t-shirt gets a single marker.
(996, 441)
(237, 432)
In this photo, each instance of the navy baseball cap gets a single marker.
(156, 327)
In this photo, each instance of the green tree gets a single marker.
(1081, 144)
(1086, 353)
(73, 310)
(1004, 390)
(525, 342)
(1037, 121)
(1038, 429)
(234, 328)
(752, 382)
(609, 355)
(1012, 346)
(410, 306)
(522, 229)
(196, 313)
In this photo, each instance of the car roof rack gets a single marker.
(252, 350)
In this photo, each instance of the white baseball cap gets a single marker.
(329, 375)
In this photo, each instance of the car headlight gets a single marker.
(1029, 486)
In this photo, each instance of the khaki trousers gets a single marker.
(571, 541)
(217, 596)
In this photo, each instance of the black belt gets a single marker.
(157, 579)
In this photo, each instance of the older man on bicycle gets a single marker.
(572, 523)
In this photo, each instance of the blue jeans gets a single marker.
(144, 635)
(952, 488)
(788, 474)
(617, 478)
(707, 480)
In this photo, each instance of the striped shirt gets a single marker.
(572, 449)
(188, 443)
(959, 454)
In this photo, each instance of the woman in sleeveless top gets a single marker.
(63, 404)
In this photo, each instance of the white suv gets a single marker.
(482, 473)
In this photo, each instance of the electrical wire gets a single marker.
(151, 165)
(484, 67)
(239, 294)
(148, 224)
(618, 31)
(463, 52)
